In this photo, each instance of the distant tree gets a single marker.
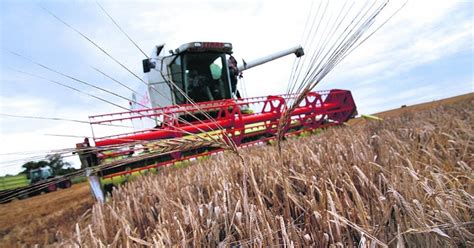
(57, 164)
(33, 165)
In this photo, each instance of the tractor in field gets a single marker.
(190, 92)
(43, 174)
(39, 181)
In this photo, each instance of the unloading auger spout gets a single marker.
(298, 51)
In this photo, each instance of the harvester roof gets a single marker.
(199, 46)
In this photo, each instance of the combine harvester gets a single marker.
(208, 106)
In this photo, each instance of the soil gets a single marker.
(43, 219)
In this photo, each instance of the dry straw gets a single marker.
(405, 182)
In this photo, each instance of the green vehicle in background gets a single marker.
(44, 173)
(14, 186)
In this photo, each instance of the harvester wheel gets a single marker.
(52, 187)
(66, 184)
(23, 196)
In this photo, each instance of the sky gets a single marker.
(423, 53)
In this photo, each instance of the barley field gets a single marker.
(406, 181)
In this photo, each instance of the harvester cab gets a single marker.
(198, 69)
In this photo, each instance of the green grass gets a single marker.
(11, 182)
(79, 179)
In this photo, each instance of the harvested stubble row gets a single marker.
(404, 181)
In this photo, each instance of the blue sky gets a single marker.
(424, 53)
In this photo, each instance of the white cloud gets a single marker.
(424, 31)
(373, 101)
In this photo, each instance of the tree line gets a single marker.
(54, 161)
